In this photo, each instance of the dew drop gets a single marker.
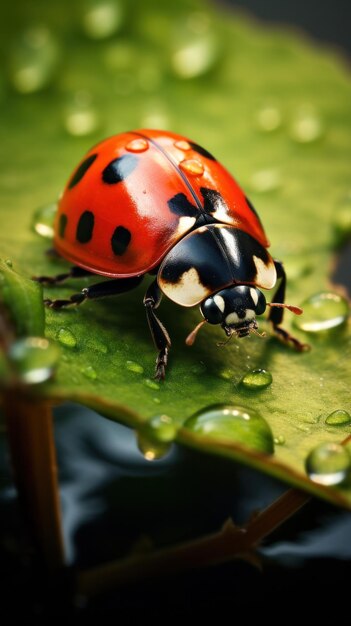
(280, 440)
(80, 117)
(132, 366)
(306, 126)
(264, 181)
(9, 263)
(227, 374)
(151, 449)
(196, 48)
(34, 359)
(137, 145)
(192, 167)
(268, 118)
(66, 338)
(89, 372)
(233, 424)
(151, 384)
(43, 220)
(257, 379)
(34, 60)
(98, 346)
(322, 312)
(328, 464)
(161, 428)
(338, 418)
(102, 18)
(182, 145)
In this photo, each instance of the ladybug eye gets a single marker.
(211, 311)
(261, 304)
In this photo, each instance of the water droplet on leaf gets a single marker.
(306, 126)
(233, 424)
(34, 359)
(80, 117)
(43, 220)
(102, 18)
(328, 464)
(132, 366)
(268, 118)
(152, 384)
(34, 60)
(338, 418)
(280, 440)
(196, 49)
(257, 379)
(9, 262)
(150, 448)
(161, 428)
(89, 372)
(66, 338)
(322, 311)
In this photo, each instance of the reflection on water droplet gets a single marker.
(182, 145)
(89, 372)
(67, 338)
(338, 418)
(341, 222)
(233, 424)
(151, 449)
(280, 440)
(80, 117)
(306, 126)
(268, 118)
(34, 60)
(43, 220)
(322, 311)
(137, 145)
(192, 167)
(328, 464)
(257, 379)
(227, 374)
(152, 384)
(196, 49)
(161, 428)
(102, 18)
(34, 359)
(132, 366)
(8, 262)
(266, 180)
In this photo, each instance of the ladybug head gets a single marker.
(235, 308)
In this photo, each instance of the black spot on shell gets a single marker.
(120, 240)
(202, 151)
(213, 200)
(85, 227)
(119, 169)
(81, 170)
(62, 224)
(180, 205)
(251, 206)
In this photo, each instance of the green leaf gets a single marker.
(275, 109)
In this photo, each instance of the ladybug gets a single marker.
(151, 201)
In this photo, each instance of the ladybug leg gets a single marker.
(276, 314)
(99, 290)
(73, 272)
(159, 334)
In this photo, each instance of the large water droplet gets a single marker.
(338, 418)
(233, 424)
(132, 366)
(322, 311)
(102, 18)
(34, 359)
(80, 116)
(306, 126)
(34, 60)
(268, 118)
(257, 379)
(328, 464)
(151, 448)
(161, 428)
(196, 48)
(43, 220)
(66, 338)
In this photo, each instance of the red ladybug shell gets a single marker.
(136, 194)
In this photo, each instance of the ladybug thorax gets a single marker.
(234, 308)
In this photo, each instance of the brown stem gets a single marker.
(32, 448)
(220, 547)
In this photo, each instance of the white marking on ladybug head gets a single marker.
(266, 275)
(219, 302)
(232, 318)
(187, 291)
(254, 295)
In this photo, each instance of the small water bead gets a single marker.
(182, 145)
(227, 374)
(132, 366)
(89, 372)
(43, 220)
(192, 167)
(233, 424)
(322, 311)
(269, 118)
(338, 418)
(102, 18)
(34, 359)
(280, 440)
(137, 145)
(196, 48)
(264, 181)
(257, 379)
(328, 464)
(306, 126)
(34, 60)
(66, 338)
(98, 346)
(80, 117)
(151, 449)
(151, 384)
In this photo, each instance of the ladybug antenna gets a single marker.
(192, 336)
(294, 309)
(221, 344)
(255, 332)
